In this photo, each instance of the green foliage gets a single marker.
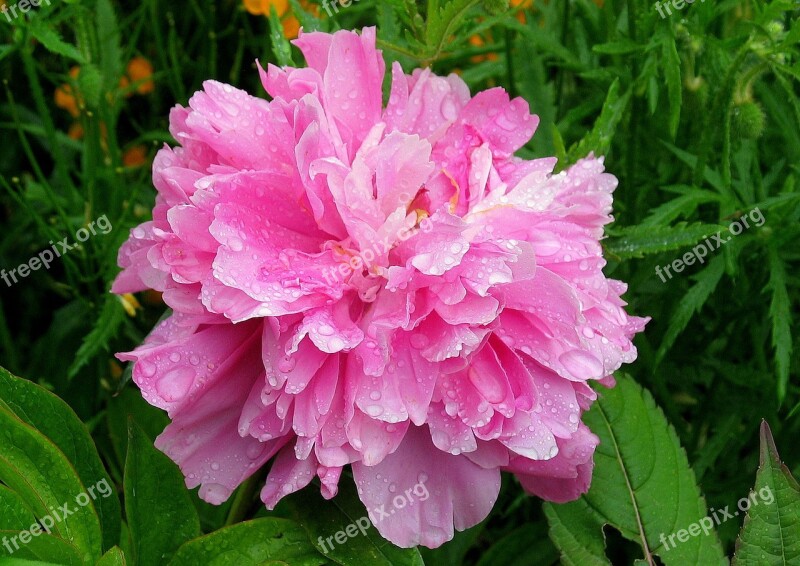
(250, 544)
(643, 487)
(56, 420)
(641, 240)
(769, 535)
(34, 468)
(698, 116)
(160, 513)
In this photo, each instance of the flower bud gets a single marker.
(748, 121)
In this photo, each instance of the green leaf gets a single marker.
(323, 519)
(684, 205)
(251, 543)
(574, 530)
(599, 139)
(692, 302)
(308, 21)
(771, 531)
(38, 471)
(638, 241)
(114, 557)
(130, 405)
(621, 47)
(110, 49)
(160, 513)
(14, 514)
(672, 76)
(52, 41)
(712, 177)
(43, 549)
(780, 313)
(642, 486)
(280, 45)
(58, 422)
(443, 22)
(105, 328)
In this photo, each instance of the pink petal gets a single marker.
(425, 492)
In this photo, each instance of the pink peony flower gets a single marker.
(389, 288)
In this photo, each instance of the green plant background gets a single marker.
(697, 114)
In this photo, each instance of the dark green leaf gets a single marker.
(56, 420)
(159, 511)
(692, 302)
(105, 328)
(771, 532)
(43, 549)
(642, 486)
(38, 471)
(280, 45)
(52, 41)
(599, 139)
(114, 557)
(780, 313)
(251, 544)
(638, 241)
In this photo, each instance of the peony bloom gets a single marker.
(389, 288)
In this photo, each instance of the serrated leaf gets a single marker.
(280, 45)
(638, 241)
(53, 42)
(308, 21)
(684, 205)
(621, 47)
(105, 328)
(770, 535)
(642, 486)
(574, 530)
(323, 519)
(58, 422)
(443, 21)
(599, 139)
(160, 513)
(711, 177)
(109, 39)
(251, 544)
(780, 314)
(672, 76)
(691, 303)
(38, 471)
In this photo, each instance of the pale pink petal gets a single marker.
(446, 492)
